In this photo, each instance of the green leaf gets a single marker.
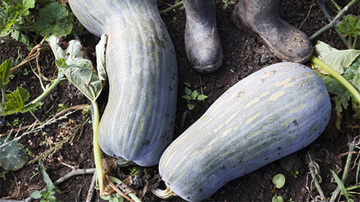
(17, 35)
(277, 199)
(202, 97)
(349, 26)
(352, 74)
(5, 68)
(190, 106)
(12, 155)
(13, 13)
(337, 59)
(78, 70)
(17, 7)
(340, 185)
(279, 180)
(15, 100)
(186, 97)
(194, 94)
(36, 194)
(100, 58)
(187, 91)
(4, 29)
(54, 20)
(187, 84)
(59, 53)
(49, 184)
(341, 94)
(105, 197)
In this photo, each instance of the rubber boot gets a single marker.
(261, 17)
(202, 41)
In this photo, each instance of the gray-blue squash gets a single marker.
(137, 124)
(274, 112)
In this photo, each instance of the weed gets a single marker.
(227, 3)
(50, 189)
(193, 95)
(3, 173)
(113, 198)
(295, 174)
(279, 182)
(26, 72)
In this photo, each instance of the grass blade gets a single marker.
(341, 185)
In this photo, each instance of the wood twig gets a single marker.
(91, 188)
(116, 189)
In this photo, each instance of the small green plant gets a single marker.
(350, 28)
(279, 182)
(50, 189)
(175, 20)
(113, 198)
(3, 173)
(295, 174)
(16, 20)
(61, 106)
(227, 3)
(26, 72)
(192, 95)
(28, 152)
(16, 122)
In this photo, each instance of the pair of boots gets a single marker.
(202, 42)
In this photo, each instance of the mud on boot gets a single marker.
(261, 17)
(202, 41)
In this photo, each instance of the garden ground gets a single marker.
(67, 143)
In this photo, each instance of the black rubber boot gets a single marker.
(202, 41)
(261, 17)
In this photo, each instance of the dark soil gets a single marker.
(243, 55)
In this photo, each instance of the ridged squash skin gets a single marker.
(272, 113)
(138, 121)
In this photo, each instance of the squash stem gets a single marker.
(337, 76)
(163, 194)
(97, 152)
(47, 89)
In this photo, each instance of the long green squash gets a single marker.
(137, 124)
(268, 115)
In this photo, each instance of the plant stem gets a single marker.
(35, 117)
(337, 76)
(357, 172)
(316, 182)
(354, 42)
(322, 5)
(346, 170)
(97, 152)
(171, 7)
(47, 90)
(348, 160)
(334, 21)
(336, 5)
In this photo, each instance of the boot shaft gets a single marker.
(201, 11)
(261, 10)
